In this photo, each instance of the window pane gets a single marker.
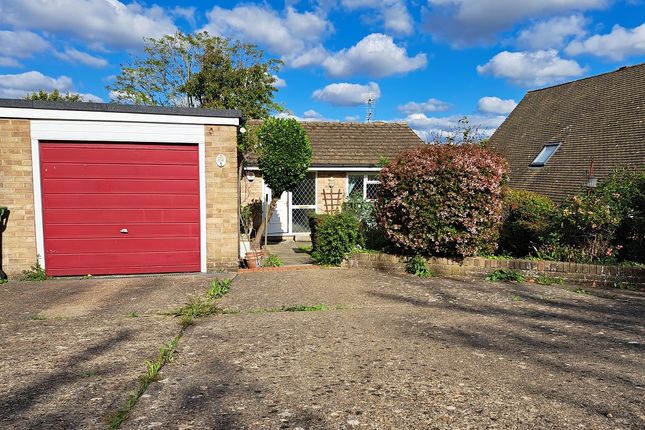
(356, 185)
(372, 178)
(544, 155)
(372, 191)
(305, 192)
(300, 220)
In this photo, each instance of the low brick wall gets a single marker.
(479, 266)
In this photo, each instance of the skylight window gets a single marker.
(545, 155)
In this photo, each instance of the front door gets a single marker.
(293, 209)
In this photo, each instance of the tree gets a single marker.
(284, 156)
(54, 96)
(199, 70)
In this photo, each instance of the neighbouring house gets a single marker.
(563, 138)
(345, 162)
(113, 189)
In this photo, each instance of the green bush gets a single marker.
(418, 266)
(505, 275)
(443, 200)
(527, 220)
(336, 236)
(314, 221)
(272, 261)
(365, 212)
(602, 225)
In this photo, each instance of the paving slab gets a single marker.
(394, 352)
(73, 349)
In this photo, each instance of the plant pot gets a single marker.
(254, 259)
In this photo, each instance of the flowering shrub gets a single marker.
(528, 219)
(442, 199)
(602, 225)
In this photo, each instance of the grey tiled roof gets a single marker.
(357, 144)
(599, 119)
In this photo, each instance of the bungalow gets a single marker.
(345, 162)
(113, 189)
(563, 138)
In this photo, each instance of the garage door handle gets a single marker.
(124, 230)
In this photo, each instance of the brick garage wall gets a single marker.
(222, 221)
(339, 180)
(17, 193)
(479, 267)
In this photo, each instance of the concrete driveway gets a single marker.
(72, 350)
(397, 352)
(387, 352)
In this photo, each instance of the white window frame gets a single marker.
(366, 181)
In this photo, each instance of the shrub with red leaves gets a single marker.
(443, 200)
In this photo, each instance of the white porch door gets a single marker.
(279, 222)
(292, 212)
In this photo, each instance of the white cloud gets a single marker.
(375, 55)
(99, 23)
(286, 35)
(75, 56)
(474, 21)
(310, 57)
(531, 68)
(278, 82)
(21, 44)
(394, 14)
(309, 115)
(620, 43)
(552, 33)
(352, 118)
(187, 13)
(19, 85)
(345, 94)
(496, 105)
(431, 105)
(9, 62)
(429, 128)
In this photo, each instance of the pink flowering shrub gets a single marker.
(443, 200)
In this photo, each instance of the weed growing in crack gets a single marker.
(580, 291)
(133, 315)
(34, 273)
(152, 374)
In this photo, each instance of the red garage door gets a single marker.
(120, 208)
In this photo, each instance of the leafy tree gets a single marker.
(54, 96)
(284, 156)
(199, 70)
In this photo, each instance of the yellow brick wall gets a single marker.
(333, 202)
(17, 193)
(222, 221)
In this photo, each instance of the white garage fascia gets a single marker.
(108, 131)
(103, 116)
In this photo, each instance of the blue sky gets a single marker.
(425, 62)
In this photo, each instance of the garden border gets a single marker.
(480, 266)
